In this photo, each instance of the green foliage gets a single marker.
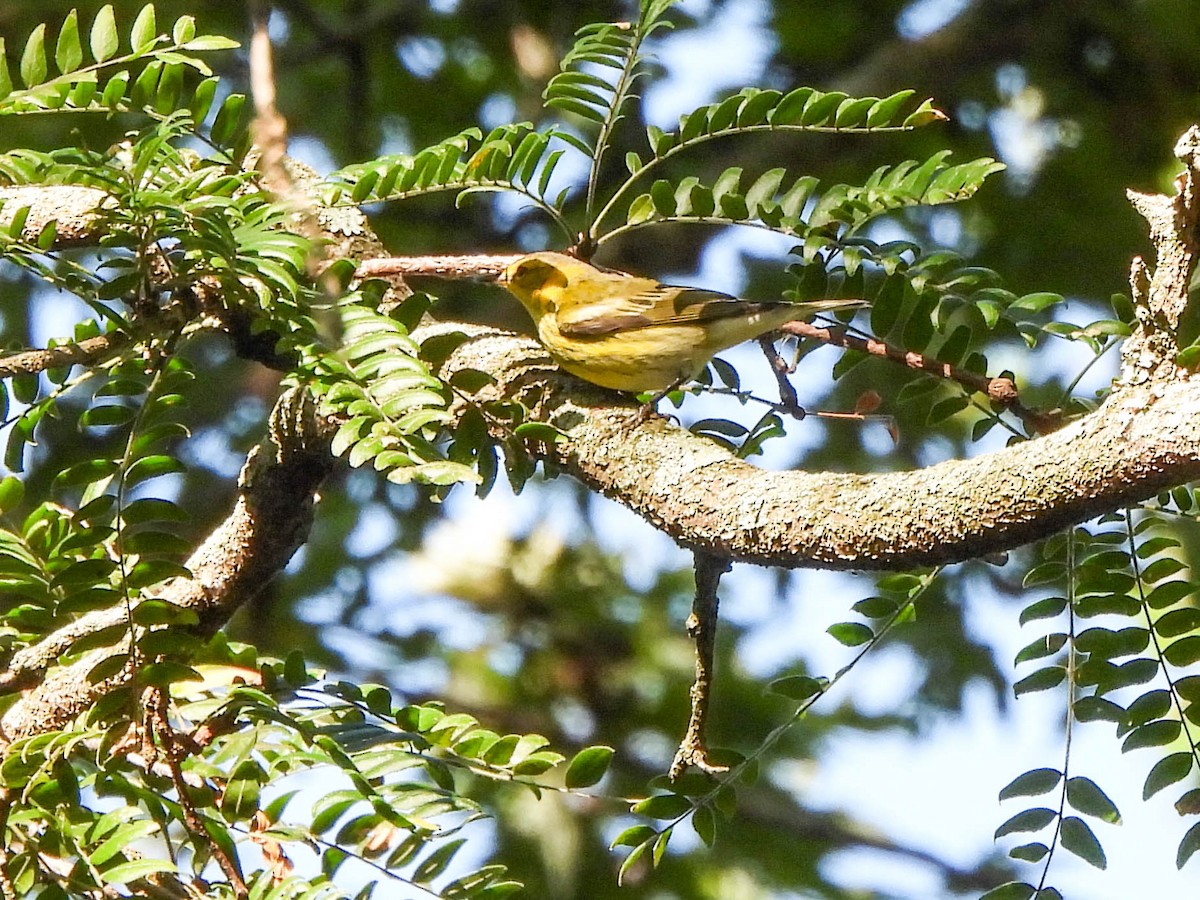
(108, 82)
(509, 158)
(597, 84)
(391, 407)
(397, 809)
(1123, 571)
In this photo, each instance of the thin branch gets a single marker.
(702, 629)
(483, 266)
(1001, 391)
(269, 128)
(156, 714)
(788, 401)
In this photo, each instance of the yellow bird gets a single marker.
(635, 334)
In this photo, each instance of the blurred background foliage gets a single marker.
(556, 612)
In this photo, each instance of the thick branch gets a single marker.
(74, 210)
(1141, 441)
(269, 521)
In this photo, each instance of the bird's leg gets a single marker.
(650, 407)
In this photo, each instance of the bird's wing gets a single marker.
(656, 304)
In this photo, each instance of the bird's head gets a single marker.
(538, 280)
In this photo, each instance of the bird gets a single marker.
(636, 334)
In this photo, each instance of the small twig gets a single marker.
(269, 128)
(173, 750)
(702, 629)
(85, 352)
(450, 267)
(1001, 391)
(788, 401)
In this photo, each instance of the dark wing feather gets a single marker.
(660, 304)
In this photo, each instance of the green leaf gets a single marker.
(136, 869)
(923, 115)
(68, 52)
(704, 820)
(820, 107)
(1032, 783)
(663, 195)
(206, 42)
(240, 799)
(144, 30)
(588, 766)
(1029, 852)
(1153, 734)
(633, 836)
(1028, 820)
(104, 39)
(152, 467)
(183, 30)
(1167, 771)
(1041, 680)
(763, 189)
(106, 415)
(756, 107)
(882, 111)
(121, 838)
(1188, 846)
(851, 634)
(1085, 796)
(798, 687)
(1151, 705)
(1077, 837)
(12, 492)
(852, 112)
(1183, 652)
(1046, 608)
(33, 59)
(1093, 709)
(226, 124)
(1177, 622)
(1042, 647)
(1013, 890)
(789, 109)
(662, 806)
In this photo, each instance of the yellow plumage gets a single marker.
(635, 334)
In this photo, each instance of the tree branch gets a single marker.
(269, 521)
(473, 266)
(702, 629)
(701, 495)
